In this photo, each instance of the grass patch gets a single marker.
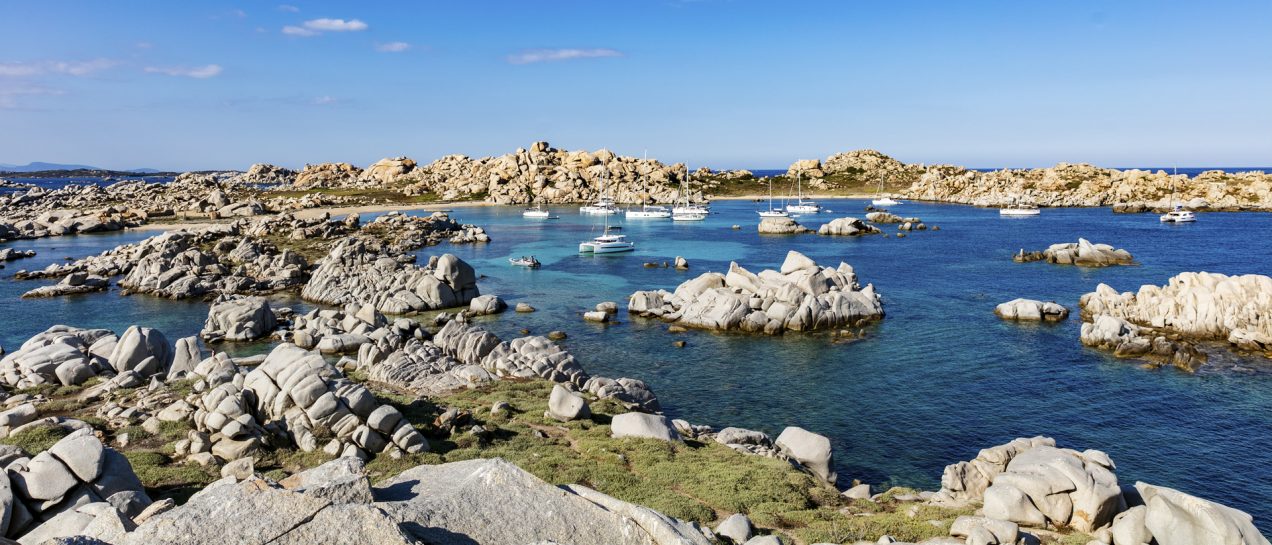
(36, 440)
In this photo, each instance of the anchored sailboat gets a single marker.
(802, 206)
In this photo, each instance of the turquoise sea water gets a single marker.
(938, 379)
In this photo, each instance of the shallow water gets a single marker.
(938, 379)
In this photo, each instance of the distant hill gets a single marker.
(42, 167)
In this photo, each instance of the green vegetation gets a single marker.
(387, 194)
(698, 481)
(37, 439)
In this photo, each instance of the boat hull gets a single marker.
(884, 202)
(612, 248)
(1019, 212)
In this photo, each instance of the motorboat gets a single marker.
(538, 212)
(524, 261)
(802, 206)
(1179, 215)
(649, 212)
(1019, 210)
(881, 199)
(607, 244)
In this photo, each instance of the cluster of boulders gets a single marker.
(70, 356)
(10, 254)
(1081, 253)
(1127, 340)
(1031, 483)
(78, 486)
(547, 175)
(267, 174)
(855, 168)
(847, 227)
(358, 271)
(1031, 310)
(781, 225)
(238, 318)
(38, 212)
(801, 296)
(1194, 305)
(1086, 185)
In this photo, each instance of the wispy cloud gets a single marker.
(335, 25)
(392, 47)
(314, 27)
(324, 100)
(9, 94)
(550, 55)
(298, 31)
(288, 8)
(198, 72)
(70, 68)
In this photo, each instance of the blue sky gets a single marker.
(728, 84)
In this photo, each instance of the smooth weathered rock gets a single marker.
(1059, 486)
(486, 304)
(1176, 518)
(736, 528)
(781, 226)
(239, 319)
(1031, 310)
(810, 449)
(565, 405)
(651, 426)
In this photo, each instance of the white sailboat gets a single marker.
(881, 199)
(772, 212)
(607, 243)
(649, 211)
(802, 206)
(689, 211)
(536, 212)
(604, 206)
(1177, 212)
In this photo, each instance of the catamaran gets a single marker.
(772, 212)
(604, 206)
(881, 199)
(802, 206)
(649, 212)
(607, 243)
(1177, 212)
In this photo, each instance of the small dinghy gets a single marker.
(524, 261)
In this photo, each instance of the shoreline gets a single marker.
(310, 213)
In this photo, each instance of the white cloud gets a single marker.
(9, 94)
(239, 13)
(143, 45)
(288, 8)
(392, 47)
(198, 72)
(550, 55)
(298, 31)
(71, 68)
(324, 100)
(335, 25)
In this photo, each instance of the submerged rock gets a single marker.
(1128, 340)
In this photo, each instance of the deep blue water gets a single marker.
(935, 381)
(59, 183)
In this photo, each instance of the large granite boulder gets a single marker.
(236, 318)
(355, 272)
(1172, 517)
(849, 227)
(809, 449)
(1031, 310)
(1049, 486)
(476, 501)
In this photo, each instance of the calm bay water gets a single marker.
(938, 379)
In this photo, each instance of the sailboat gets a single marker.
(604, 206)
(802, 206)
(772, 212)
(1177, 213)
(607, 243)
(688, 211)
(881, 199)
(536, 212)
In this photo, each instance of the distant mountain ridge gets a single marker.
(38, 166)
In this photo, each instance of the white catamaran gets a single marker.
(1177, 212)
(607, 243)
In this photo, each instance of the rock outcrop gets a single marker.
(1081, 253)
(1201, 306)
(802, 296)
(1031, 310)
(1127, 340)
(847, 227)
(781, 226)
(356, 272)
(70, 356)
(237, 318)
